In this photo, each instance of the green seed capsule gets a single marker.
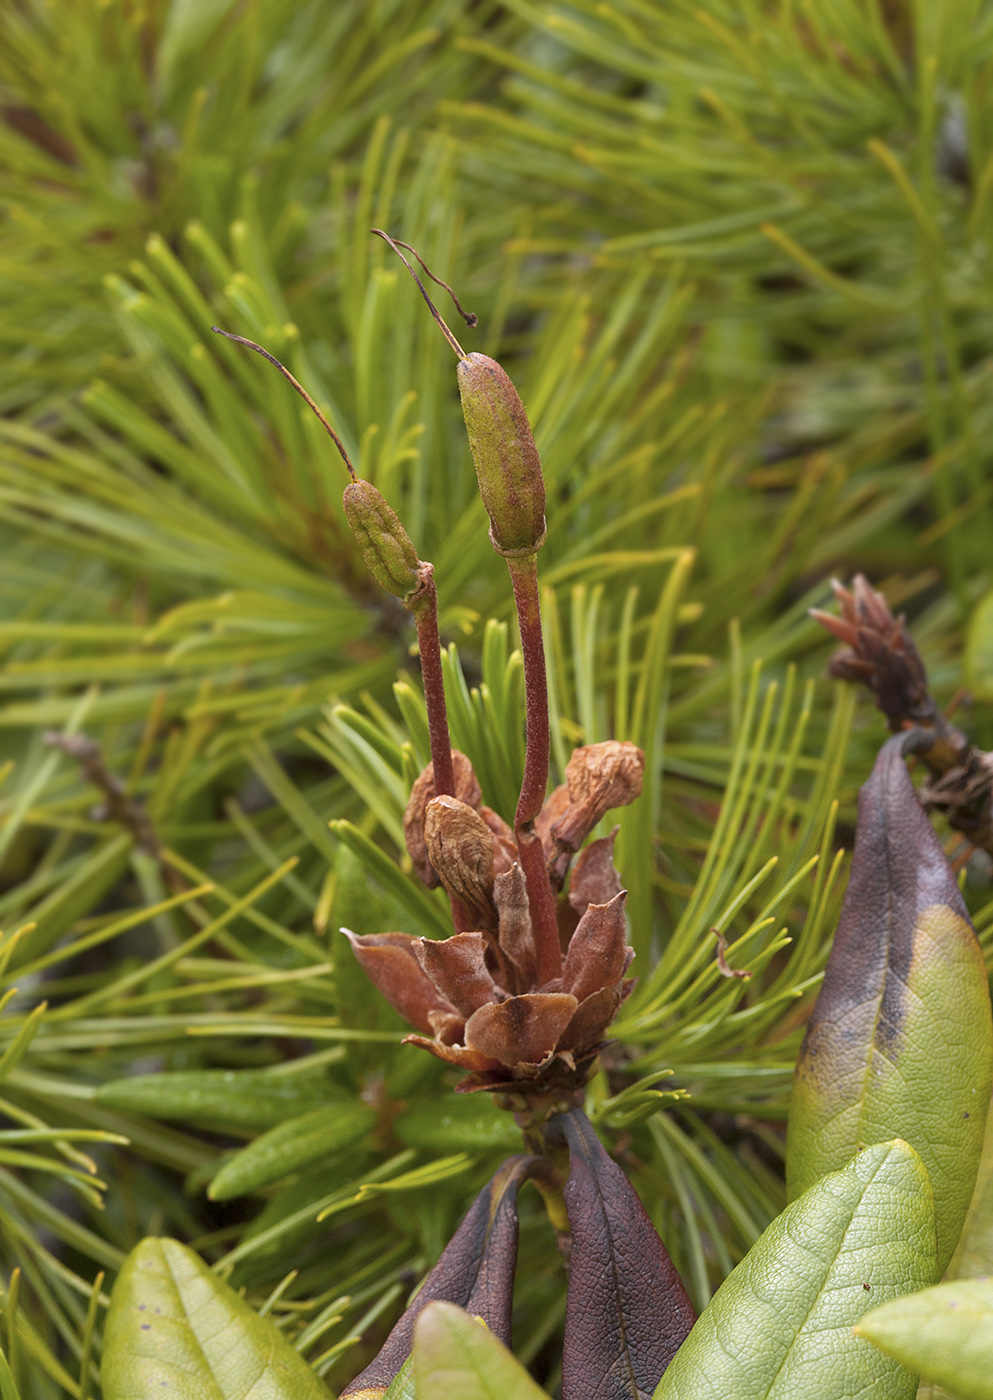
(385, 544)
(506, 458)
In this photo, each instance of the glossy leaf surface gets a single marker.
(457, 1358)
(627, 1311)
(291, 1145)
(780, 1326)
(945, 1333)
(174, 1328)
(900, 1041)
(235, 1098)
(973, 1256)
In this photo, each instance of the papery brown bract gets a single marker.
(457, 967)
(594, 878)
(476, 1271)
(423, 791)
(460, 848)
(514, 924)
(627, 1312)
(598, 777)
(597, 955)
(392, 966)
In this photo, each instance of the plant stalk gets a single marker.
(429, 646)
(541, 899)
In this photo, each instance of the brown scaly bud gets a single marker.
(466, 790)
(505, 456)
(598, 778)
(385, 544)
(460, 848)
(880, 654)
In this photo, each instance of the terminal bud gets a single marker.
(385, 544)
(504, 452)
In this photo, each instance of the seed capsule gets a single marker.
(385, 544)
(506, 459)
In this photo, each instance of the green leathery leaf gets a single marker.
(780, 1326)
(944, 1333)
(900, 1041)
(471, 1123)
(234, 1098)
(456, 1357)
(973, 1256)
(175, 1328)
(293, 1144)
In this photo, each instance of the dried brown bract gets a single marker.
(598, 777)
(466, 790)
(460, 848)
(518, 1036)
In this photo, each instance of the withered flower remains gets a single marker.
(521, 996)
(478, 998)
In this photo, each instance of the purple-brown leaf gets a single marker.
(627, 1312)
(476, 1271)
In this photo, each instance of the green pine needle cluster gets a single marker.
(736, 256)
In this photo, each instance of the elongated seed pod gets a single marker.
(384, 543)
(505, 456)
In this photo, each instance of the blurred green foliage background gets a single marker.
(737, 257)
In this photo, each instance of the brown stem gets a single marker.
(118, 806)
(541, 899)
(524, 576)
(429, 645)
